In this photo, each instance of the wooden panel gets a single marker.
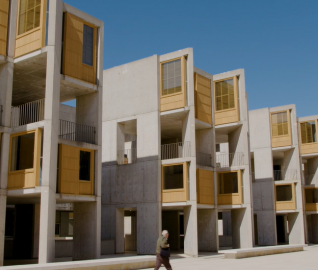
(309, 148)
(87, 187)
(28, 178)
(176, 195)
(231, 198)
(202, 96)
(311, 207)
(230, 115)
(73, 50)
(34, 39)
(283, 140)
(205, 187)
(286, 205)
(4, 10)
(177, 100)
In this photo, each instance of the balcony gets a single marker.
(285, 197)
(76, 132)
(225, 160)
(175, 150)
(127, 156)
(27, 113)
(280, 175)
(204, 159)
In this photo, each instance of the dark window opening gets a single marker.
(173, 177)
(284, 193)
(22, 153)
(88, 44)
(85, 161)
(311, 195)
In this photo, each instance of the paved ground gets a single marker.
(303, 260)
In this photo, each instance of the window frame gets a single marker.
(185, 184)
(316, 126)
(94, 45)
(239, 183)
(288, 124)
(183, 77)
(42, 17)
(235, 81)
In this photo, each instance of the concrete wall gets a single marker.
(207, 233)
(67, 113)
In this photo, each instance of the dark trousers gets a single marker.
(162, 260)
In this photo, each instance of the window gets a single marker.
(22, 152)
(217, 147)
(308, 132)
(311, 195)
(228, 183)
(88, 45)
(279, 124)
(284, 193)
(224, 92)
(85, 162)
(171, 77)
(29, 15)
(173, 177)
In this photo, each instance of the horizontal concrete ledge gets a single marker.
(138, 262)
(261, 251)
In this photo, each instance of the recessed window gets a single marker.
(284, 193)
(279, 124)
(173, 177)
(224, 95)
(217, 147)
(308, 132)
(22, 152)
(311, 195)
(88, 45)
(85, 164)
(29, 15)
(228, 183)
(171, 77)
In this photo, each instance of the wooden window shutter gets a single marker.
(303, 132)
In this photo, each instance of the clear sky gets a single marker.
(275, 41)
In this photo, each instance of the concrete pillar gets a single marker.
(86, 239)
(51, 127)
(314, 226)
(36, 230)
(207, 230)
(120, 143)
(241, 228)
(296, 228)
(190, 230)
(120, 231)
(171, 222)
(148, 227)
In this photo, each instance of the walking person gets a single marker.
(163, 251)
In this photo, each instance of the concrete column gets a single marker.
(148, 227)
(120, 231)
(207, 230)
(36, 229)
(241, 228)
(171, 222)
(51, 127)
(296, 228)
(120, 143)
(190, 230)
(86, 239)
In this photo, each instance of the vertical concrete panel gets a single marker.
(148, 227)
(86, 235)
(120, 231)
(171, 223)
(242, 228)
(108, 222)
(296, 228)
(207, 230)
(190, 230)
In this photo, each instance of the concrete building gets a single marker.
(167, 164)
(50, 53)
(277, 176)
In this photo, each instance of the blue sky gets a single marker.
(275, 41)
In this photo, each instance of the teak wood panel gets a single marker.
(4, 11)
(283, 140)
(205, 187)
(73, 65)
(310, 206)
(176, 195)
(285, 205)
(69, 168)
(34, 39)
(232, 198)
(309, 148)
(202, 97)
(230, 115)
(177, 100)
(28, 178)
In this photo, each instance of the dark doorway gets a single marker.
(280, 227)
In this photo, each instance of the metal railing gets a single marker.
(285, 175)
(229, 159)
(175, 150)
(127, 156)
(204, 159)
(27, 113)
(311, 179)
(76, 132)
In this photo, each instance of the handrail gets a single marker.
(76, 132)
(175, 150)
(204, 159)
(127, 156)
(224, 160)
(290, 174)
